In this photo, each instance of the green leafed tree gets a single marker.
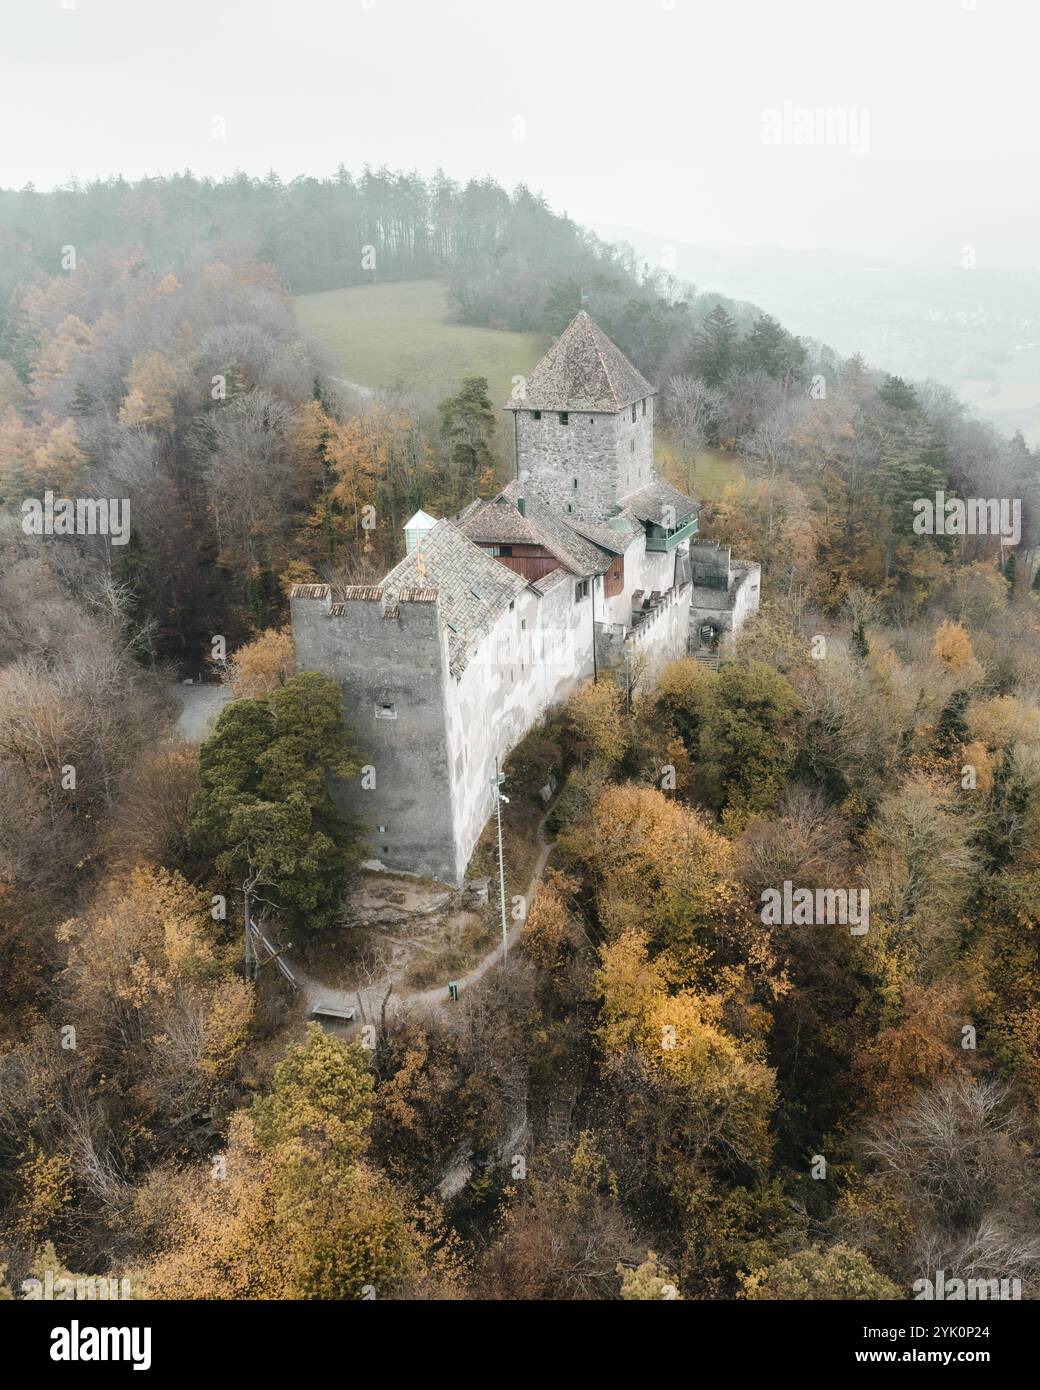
(897, 393)
(746, 745)
(264, 812)
(837, 1273)
(771, 349)
(321, 1099)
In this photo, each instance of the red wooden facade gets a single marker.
(614, 579)
(535, 562)
(530, 561)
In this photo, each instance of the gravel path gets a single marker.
(199, 706)
(369, 1000)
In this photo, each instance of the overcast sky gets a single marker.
(686, 118)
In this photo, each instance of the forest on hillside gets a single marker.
(664, 1095)
(502, 250)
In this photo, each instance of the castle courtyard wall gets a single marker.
(512, 680)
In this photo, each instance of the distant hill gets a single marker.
(976, 331)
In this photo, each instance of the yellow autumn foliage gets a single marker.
(261, 665)
(1002, 720)
(952, 649)
(711, 1093)
(653, 861)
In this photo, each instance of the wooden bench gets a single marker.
(330, 1011)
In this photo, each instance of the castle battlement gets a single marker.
(360, 594)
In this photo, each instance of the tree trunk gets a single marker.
(248, 913)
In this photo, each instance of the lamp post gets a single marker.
(496, 783)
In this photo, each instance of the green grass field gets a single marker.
(398, 335)
(713, 472)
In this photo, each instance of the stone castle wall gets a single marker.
(429, 738)
(536, 655)
(393, 671)
(609, 455)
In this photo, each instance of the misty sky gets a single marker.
(647, 114)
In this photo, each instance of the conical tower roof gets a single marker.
(583, 370)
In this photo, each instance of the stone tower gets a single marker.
(583, 427)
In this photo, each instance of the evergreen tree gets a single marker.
(771, 349)
(854, 378)
(1011, 574)
(897, 393)
(1008, 803)
(264, 812)
(714, 351)
(951, 730)
(467, 429)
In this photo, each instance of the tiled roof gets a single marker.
(615, 539)
(499, 522)
(469, 509)
(650, 502)
(473, 588)
(549, 581)
(583, 370)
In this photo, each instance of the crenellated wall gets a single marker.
(663, 634)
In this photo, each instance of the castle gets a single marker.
(586, 560)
